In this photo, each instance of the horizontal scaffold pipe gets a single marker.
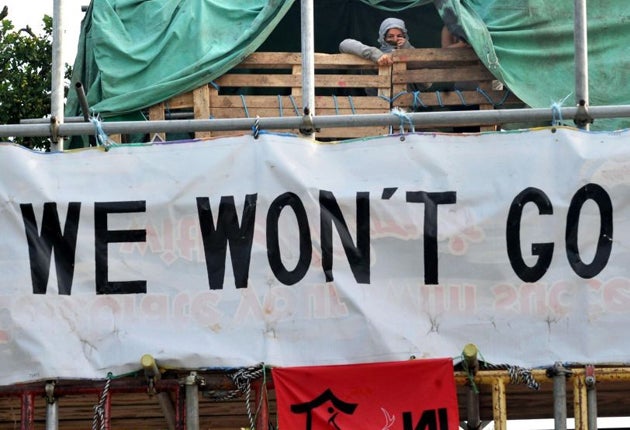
(417, 119)
(489, 377)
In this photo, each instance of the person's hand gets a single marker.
(400, 42)
(385, 60)
(459, 44)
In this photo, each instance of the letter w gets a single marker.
(40, 246)
(215, 239)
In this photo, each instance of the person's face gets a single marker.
(393, 35)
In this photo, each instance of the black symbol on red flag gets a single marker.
(337, 406)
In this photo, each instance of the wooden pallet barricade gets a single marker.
(269, 84)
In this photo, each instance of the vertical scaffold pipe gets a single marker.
(559, 374)
(472, 400)
(28, 411)
(52, 407)
(57, 87)
(262, 405)
(581, 58)
(152, 373)
(308, 56)
(591, 397)
(192, 402)
(499, 404)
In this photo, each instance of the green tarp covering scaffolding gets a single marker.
(135, 53)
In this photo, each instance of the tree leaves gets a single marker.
(25, 75)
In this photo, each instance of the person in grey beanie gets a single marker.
(392, 34)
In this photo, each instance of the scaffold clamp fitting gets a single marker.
(307, 128)
(589, 376)
(50, 392)
(558, 369)
(54, 130)
(582, 116)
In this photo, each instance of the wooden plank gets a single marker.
(429, 56)
(335, 133)
(181, 101)
(297, 90)
(156, 113)
(398, 68)
(469, 73)
(288, 59)
(258, 59)
(252, 81)
(352, 132)
(266, 106)
(292, 81)
(201, 98)
(291, 105)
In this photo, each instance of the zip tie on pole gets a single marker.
(556, 113)
(101, 137)
(244, 105)
(256, 127)
(402, 115)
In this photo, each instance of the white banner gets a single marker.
(236, 251)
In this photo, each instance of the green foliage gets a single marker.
(25, 76)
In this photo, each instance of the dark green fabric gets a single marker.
(395, 5)
(135, 53)
(528, 45)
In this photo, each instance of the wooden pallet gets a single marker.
(269, 84)
(453, 79)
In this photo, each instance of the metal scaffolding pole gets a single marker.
(262, 405)
(192, 402)
(559, 374)
(418, 119)
(581, 62)
(52, 407)
(591, 397)
(308, 57)
(28, 411)
(473, 422)
(57, 87)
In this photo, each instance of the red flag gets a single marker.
(405, 395)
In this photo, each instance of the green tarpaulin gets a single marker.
(135, 53)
